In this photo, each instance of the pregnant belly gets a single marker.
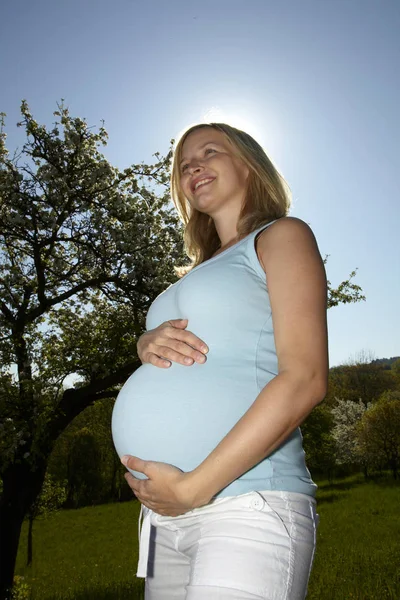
(178, 415)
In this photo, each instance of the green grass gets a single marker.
(84, 554)
(358, 544)
(91, 553)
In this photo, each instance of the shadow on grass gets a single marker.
(119, 592)
(330, 492)
(384, 482)
(329, 498)
(342, 486)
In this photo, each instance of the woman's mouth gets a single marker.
(200, 184)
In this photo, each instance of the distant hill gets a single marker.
(385, 362)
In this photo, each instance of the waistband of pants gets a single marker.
(254, 499)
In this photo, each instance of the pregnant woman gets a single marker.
(211, 434)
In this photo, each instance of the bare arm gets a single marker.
(298, 295)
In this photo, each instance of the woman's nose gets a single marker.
(194, 166)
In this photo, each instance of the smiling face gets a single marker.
(212, 178)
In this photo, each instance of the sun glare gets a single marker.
(264, 130)
(218, 115)
(263, 127)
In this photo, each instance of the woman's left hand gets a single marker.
(168, 491)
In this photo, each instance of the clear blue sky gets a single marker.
(317, 82)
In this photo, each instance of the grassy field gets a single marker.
(91, 553)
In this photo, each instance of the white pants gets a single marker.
(255, 546)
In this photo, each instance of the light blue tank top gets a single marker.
(179, 415)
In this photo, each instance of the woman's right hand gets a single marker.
(170, 341)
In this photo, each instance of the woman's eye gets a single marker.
(207, 151)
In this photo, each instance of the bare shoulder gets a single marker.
(288, 236)
(287, 227)
(297, 289)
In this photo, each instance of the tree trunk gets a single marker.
(22, 483)
(30, 539)
(10, 530)
(20, 489)
(393, 465)
(115, 490)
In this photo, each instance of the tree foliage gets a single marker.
(346, 416)
(84, 456)
(346, 292)
(396, 371)
(318, 441)
(52, 496)
(84, 249)
(359, 380)
(379, 432)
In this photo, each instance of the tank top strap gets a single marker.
(251, 252)
(260, 229)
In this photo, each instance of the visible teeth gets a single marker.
(202, 182)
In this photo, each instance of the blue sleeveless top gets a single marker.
(180, 414)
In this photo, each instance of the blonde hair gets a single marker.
(267, 196)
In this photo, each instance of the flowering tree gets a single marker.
(346, 416)
(84, 248)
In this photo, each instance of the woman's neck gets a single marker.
(225, 247)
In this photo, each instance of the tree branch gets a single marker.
(7, 313)
(39, 310)
(25, 302)
(100, 385)
(75, 400)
